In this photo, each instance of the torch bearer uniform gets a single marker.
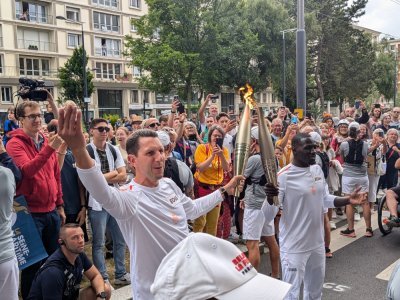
(303, 195)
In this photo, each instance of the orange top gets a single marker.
(214, 174)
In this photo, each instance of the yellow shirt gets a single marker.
(287, 154)
(214, 174)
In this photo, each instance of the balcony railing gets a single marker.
(36, 45)
(103, 51)
(33, 17)
(12, 71)
(106, 28)
(112, 4)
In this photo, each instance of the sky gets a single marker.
(383, 16)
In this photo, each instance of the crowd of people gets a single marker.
(144, 184)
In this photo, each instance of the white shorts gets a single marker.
(9, 277)
(373, 187)
(349, 184)
(259, 222)
(307, 267)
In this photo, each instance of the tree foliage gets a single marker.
(385, 72)
(71, 78)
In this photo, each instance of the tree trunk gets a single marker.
(318, 76)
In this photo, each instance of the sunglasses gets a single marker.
(102, 129)
(33, 117)
(152, 125)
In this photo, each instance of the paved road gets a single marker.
(352, 272)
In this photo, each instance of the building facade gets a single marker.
(38, 37)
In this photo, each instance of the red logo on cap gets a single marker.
(242, 263)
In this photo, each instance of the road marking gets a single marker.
(336, 287)
(385, 274)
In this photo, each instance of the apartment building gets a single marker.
(38, 37)
(394, 46)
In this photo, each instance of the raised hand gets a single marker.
(55, 141)
(70, 127)
(236, 181)
(357, 198)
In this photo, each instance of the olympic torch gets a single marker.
(243, 136)
(267, 152)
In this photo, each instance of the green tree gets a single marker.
(193, 45)
(71, 78)
(385, 70)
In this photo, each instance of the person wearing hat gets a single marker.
(151, 211)
(354, 154)
(205, 267)
(136, 122)
(258, 220)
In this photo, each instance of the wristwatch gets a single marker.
(223, 192)
(101, 295)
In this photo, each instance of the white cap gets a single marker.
(254, 132)
(343, 122)
(315, 136)
(203, 266)
(164, 138)
(354, 125)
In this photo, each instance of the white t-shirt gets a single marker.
(152, 220)
(303, 195)
(228, 143)
(119, 162)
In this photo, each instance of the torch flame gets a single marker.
(247, 93)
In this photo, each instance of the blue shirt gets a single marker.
(8, 127)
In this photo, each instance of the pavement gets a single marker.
(360, 267)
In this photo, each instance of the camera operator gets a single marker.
(35, 156)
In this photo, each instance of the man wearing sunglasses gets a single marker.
(36, 157)
(112, 166)
(152, 124)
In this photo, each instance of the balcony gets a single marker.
(111, 4)
(106, 28)
(12, 71)
(33, 17)
(36, 45)
(109, 52)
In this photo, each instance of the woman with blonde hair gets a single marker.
(122, 135)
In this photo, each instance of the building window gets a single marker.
(109, 102)
(227, 99)
(105, 22)
(135, 96)
(31, 12)
(106, 3)
(1, 64)
(107, 47)
(137, 72)
(74, 40)
(146, 96)
(107, 70)
(6, 94)
(34, 66)
(133, 27)
(134, 3)
(73, 14)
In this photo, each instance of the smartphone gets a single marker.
(357, 104)
(192, 137)
(377, 105)
(308, 115)
(181, 108)
(293, 120)
(214, 98)
(232, 117)
(219, 142)
(381, 134)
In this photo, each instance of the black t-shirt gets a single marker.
(70, 186)
(58, 279)
(48, 116)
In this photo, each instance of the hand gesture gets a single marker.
(182, 117)
(80, 219)
(271, 191)
(55, 141)
(217, 150)
(231, 125)
(208, 98)
(357, 198)
(174, 105)
(70, 127)
(236, 182)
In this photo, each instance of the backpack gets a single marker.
(355, 155)
(325, 163)
(171, 171)
(90, 149)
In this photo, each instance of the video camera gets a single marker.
(32, 89)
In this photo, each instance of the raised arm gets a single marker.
(202, 117)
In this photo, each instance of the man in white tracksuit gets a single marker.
(303, 195)
(151, 211)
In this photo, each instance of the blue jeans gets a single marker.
(99, 221)
(48, 226)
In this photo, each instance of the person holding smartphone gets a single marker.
(211, 160)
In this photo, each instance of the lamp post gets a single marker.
(301, 58)
(86, 99)
(395, 78)
(284, 64)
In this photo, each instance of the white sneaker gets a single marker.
(357, 217)
(332, 224)
(124, 280)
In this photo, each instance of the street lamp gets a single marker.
(284, 63)
(86, 99)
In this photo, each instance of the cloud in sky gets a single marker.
(383, 16)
